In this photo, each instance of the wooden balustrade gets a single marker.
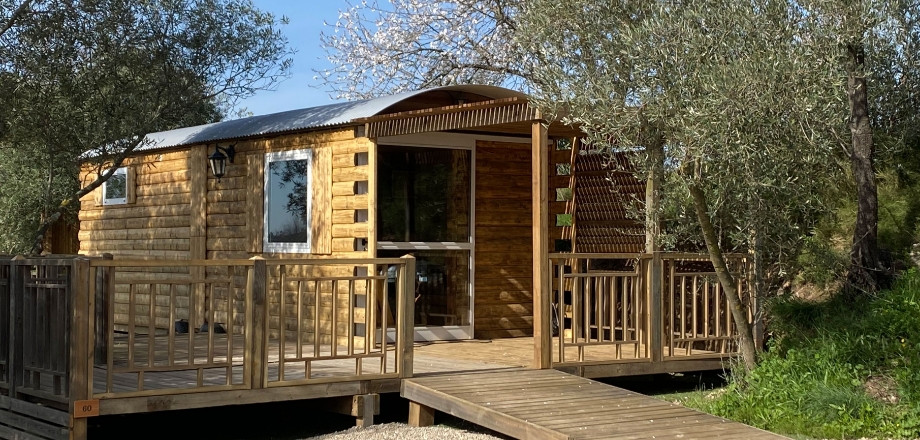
(66, 338)
(613, 308)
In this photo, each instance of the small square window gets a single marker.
(563, 194)
(115, 190)
(563, 219)
(288, 201)
(563, 169)
(563, 144)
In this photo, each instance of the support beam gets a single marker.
(420, 415)
(542, 333)
(362, 407)
(198, 232)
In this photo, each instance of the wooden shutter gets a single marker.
(321, 210)
(255, 200)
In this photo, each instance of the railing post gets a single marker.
(258, 330)
(17, 284)
(81, 342)
(656, 324)
(405, 323)
(104, 293)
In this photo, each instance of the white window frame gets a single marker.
(281, 156)
(105, 186)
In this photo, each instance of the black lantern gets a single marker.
(218, 160)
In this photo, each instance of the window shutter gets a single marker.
(255, 200)
(321, 210)
(130, 185)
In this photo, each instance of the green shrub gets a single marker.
(812, 380)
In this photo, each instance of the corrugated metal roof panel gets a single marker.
(313, 117)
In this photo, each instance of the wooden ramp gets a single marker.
(531, 404)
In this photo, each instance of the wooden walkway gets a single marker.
(530, 404)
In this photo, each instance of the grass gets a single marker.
(837, 369)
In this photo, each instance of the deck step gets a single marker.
(531, 404)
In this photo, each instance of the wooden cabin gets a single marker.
(353, 180)
(300, 255)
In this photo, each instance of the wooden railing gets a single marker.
(245, 324)
(78, 328)
(600, 305)
(612, 308)
(37, 297)
(698, 320)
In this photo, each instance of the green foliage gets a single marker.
(821, 375)
(97, 75)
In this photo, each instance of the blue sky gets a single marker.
(306, 23)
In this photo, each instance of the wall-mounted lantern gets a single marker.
(218, 160)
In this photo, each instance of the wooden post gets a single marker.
(542, 333)
(405, 319)
(105, 290)
(81, 344)
(420, 415)
(17, 284)
(258, 331)
(656, 330)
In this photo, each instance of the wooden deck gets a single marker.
(551, 404)
(429, 359)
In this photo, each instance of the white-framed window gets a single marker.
(288, 201)
(115, 190)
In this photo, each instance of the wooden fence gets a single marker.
(60, 342)
(610, 308)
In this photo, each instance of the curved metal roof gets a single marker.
(314, 117)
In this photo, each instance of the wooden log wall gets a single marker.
(504, 241)
(154, 225)
(181, 211)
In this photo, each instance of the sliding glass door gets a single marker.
(424, 208)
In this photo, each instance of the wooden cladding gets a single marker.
(452, 118)
(504, 241)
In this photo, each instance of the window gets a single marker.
(288, 201)
(115, 190)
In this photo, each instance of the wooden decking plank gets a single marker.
(558, 406)
(622, 414)
(649, 421)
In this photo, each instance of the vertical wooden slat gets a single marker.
(171, 336)
(334, 348)
(282, 325)
(209, 288)
(198, 229)
(316, 320)
(560, 310)
(231, 274)
(104, 295)
(132, 293)
(192, 317)
(151, 324)
(672, 283)
(321, 208)
(384, 323)
(351, 317)
(299, 326)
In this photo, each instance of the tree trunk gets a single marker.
(740, 316)
(653, 194)
(865, 269)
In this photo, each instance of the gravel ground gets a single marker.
(401, 431)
